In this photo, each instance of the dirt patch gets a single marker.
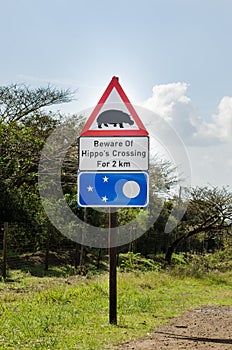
(209, 328)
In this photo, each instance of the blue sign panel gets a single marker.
(113, 189)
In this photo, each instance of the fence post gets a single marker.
(4, 252)
(47, 248)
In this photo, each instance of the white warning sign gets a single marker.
(113, 153)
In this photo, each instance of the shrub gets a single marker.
(134, 261)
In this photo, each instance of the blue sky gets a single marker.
(172, 56)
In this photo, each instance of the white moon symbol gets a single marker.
(131, 189)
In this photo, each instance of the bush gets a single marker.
(180, 259)
(134, 261)
(200, 265)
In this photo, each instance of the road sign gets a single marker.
(114, 154)
(113, 189)
(121, 120)
(115, 140)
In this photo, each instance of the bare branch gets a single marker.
(19, 101)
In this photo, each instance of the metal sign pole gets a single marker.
(113, 267)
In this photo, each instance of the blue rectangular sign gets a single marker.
(113, 189)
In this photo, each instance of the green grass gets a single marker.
(47, 313)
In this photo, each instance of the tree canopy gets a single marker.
(18, 102)
(209, 210)
(24, 127)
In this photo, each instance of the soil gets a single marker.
(209, 328)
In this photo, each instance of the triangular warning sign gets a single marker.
(114, 115)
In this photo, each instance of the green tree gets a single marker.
(209, 211)
(24, 127)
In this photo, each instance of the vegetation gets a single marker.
(71, 312)
(25, 125)
(55, 294)
(209, 211)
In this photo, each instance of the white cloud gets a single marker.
(170, 102)
(165, 98)
(209, 142)
(220, 128)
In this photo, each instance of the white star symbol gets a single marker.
(105, 179)
(90, 188)
(105, 199)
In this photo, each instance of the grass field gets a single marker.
(72, 312)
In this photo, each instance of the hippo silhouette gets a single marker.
(114, 116)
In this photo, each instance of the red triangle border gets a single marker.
(114, 83)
